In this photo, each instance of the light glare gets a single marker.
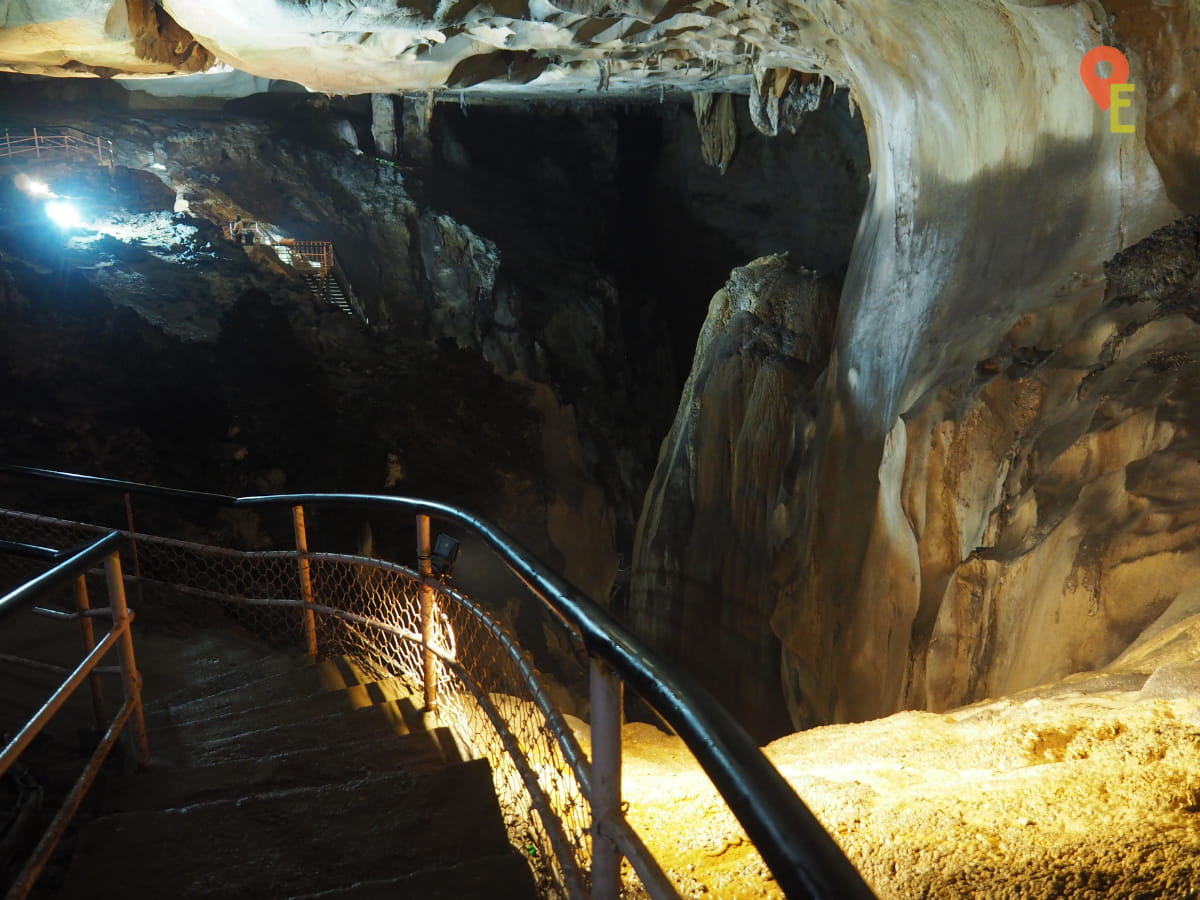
(33, 187)
(62, 214)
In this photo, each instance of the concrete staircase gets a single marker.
(273, 778)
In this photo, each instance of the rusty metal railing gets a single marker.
(313, 257)
(316, 261)
(55, 142)
(397, 620)
(72, 569)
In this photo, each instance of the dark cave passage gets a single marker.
(626, 189)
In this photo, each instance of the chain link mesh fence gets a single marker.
(368, 610)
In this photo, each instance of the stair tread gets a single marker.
(289, 683)
(497, 877)
(237, 720)
(192, 657)
(299, 841)
(330, 731)
(169, 787)
(235, 677)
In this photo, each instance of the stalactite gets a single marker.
(718, 128)
(383, 125)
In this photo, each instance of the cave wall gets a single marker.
(951, 255)
(985, 232)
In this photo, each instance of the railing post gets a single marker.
(8, 143)
(129, 671)
(425, 570)
(133, 547)
(89, 644)
(37, 147)
(306, 591)
(606, 695)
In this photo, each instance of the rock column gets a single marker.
(383, 125)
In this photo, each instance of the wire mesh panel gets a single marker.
(370, 610)
(487, 693)
(488, 690)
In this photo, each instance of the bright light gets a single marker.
(33, 187)
(62, 214)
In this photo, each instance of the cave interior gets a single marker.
(858, 382)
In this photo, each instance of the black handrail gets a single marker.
(30, 551)
(63, 573)
(805, 860)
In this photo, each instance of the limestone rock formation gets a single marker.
(725, 492)
(983, 480)
(1086, 788)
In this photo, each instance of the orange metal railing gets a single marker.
(309, 258)
(315, 257)
(72, 569)
(53, 142)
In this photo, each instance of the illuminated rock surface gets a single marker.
(1085, 788)
(984, 481)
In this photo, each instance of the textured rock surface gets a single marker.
(1040, 515)
(1036, 514)
(722, 499)
(1082, 788)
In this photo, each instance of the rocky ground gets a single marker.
(1083, 788)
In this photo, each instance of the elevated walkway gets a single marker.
(57, 142)
(272, 775)
(315, 261)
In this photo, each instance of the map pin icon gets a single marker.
(1097, 85)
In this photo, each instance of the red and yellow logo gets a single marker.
(1106, 90)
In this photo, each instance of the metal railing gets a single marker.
(315, 260)
(72, 568)
(55, 142)
(564, 809)
(313, 257)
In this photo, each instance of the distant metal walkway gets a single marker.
(315, 261)
(56, 142)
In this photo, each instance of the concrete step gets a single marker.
(362, 688)
(241, 719)
(328, 731)
(294, 842)
(505, 877)
(236, 677)
(169, 787)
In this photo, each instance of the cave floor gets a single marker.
(1086, 788)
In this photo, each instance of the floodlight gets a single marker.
(63, 214)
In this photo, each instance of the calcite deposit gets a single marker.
(956, 466)
(1087, 788)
